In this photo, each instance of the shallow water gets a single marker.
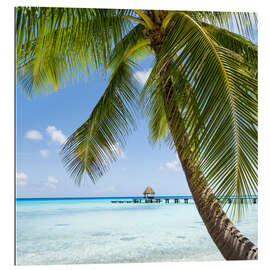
(97, 231)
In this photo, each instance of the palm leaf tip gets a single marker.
(94, 146)
(87, 156)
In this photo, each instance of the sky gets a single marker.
(45, 121)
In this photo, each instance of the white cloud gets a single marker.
(173, 165)
(51, 182)
(33, 135)
(44, 153)
(142, 76)
(21, 179)
(56, 134)
(52, 179)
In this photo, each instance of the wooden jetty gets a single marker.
(178, 200)
(149, 197)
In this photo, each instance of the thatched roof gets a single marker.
(149, 190)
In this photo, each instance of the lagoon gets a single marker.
(91, 231)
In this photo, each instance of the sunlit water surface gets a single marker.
(85, 231)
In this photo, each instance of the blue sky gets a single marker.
(45, 121)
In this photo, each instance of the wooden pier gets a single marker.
(179, 200)
(149, 197)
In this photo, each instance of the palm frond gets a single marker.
(226, 93)
(237, 44)
(54, 44)
(245, 23)
(152, 102)
(153, 106)
(95, 145)
(133, 47)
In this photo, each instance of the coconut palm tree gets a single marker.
(200, 97)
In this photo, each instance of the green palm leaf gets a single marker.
(54, 44)
(244, 23)
(227, 98)
(237, 44)
(95, 145)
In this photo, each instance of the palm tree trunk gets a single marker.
(232, 244)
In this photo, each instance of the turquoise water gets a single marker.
(86, 231)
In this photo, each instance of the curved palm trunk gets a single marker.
(232, 244)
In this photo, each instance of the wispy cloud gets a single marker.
(51, 182)
(52, 179)
(56, 134)
(173, 165)
(33, 135)
(142, 76)
(21, 179)
(44, 153)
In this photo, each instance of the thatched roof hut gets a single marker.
(149, 192)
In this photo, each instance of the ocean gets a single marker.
(91, 231)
